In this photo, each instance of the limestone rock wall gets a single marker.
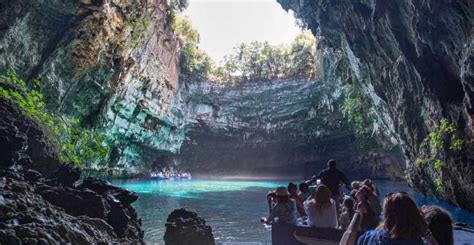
(111, 64)
(417, 56)
(279, 128)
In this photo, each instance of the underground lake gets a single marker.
(232, 208)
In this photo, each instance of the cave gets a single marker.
(122, 122)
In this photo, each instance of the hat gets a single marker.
(281, 191)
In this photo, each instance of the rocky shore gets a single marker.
(41, 201)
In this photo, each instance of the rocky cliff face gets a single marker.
(283, 127)
(50, 208)
(111, 64)
(417, 56)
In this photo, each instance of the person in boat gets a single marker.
(284, 211)
(373, 199)
(321, 208)
(293, 190)
(440, 224)
(355, 185)
(332, 178)
(304, 193)
(347, 213)
(369, 219)
(371, 185)
(403, 224)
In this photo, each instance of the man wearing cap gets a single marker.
(285, 209)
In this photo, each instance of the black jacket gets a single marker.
(332, 177)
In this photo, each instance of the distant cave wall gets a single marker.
(257, 154)
(278, 128)
(111, 64)
(418, 58)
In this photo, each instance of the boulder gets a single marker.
(115, 193)
(66, 175)
(23, 142)
(187, 228)
(43, 214)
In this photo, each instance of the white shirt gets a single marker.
(326, 218)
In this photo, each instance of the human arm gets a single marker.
(345, 180)
(333, 221)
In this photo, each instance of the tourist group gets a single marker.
(318, 212)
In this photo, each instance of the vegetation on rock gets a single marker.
(355, 107)
(75, 143)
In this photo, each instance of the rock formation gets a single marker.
(187, 228)
(283, 127)
(416, 57)
(49, 208)
(111, 64)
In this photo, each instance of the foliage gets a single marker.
(438, 164)
(255, 61)
(445, 132)
(355, 108)
(438, 182)
(457, 145)
(138, 27)
(194, 63)
(262, 61)
(75, 144)
(421, 162)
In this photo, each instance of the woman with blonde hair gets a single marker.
(321, 208)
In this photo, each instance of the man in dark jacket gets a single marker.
(332, 178)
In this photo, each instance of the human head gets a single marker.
(304, 187)
(348, 203)
(355, 185)
(402, 219)
(363, 193)
(292, 188)
(322, 197)
(332, 163)
(368, 183)
(282, 194)
(440, 223)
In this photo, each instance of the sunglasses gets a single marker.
(392, 193)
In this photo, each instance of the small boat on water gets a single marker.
(170, 175)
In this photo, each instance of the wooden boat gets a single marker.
(298, 235)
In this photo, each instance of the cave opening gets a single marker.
(258, 104)
(217, 106)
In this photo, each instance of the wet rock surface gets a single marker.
(40, 201)
(22, 141)
(37, 213)
(187, 228)
(417, 58)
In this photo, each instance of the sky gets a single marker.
(223, 24)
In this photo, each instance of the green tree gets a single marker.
(194, 63)
(303, 55)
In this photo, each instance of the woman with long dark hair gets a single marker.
(440, 224)
(369, 218)
(403, 224)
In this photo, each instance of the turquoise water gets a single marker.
(232, 208)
